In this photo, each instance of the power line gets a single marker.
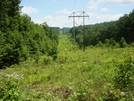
(74, 23)
(74, 15)
(74, 4)
(101, 7)
(90, 4)
(105, 4)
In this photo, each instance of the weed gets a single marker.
(47, 60)
(124, 82)
(9, 90)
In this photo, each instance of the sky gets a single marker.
(56, 12)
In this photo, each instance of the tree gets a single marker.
(21, 38)
(123, 43)
(113, 31)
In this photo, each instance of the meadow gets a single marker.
(92, 75)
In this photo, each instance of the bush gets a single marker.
(47, 60)
(107, 42)
(9, 91)
(124, 79)
(62, 58)
(115, 95)
(123, 43)
(123, 83)
(100, 44)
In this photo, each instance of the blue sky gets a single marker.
(56, 12)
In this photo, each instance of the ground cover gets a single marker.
(74, 76)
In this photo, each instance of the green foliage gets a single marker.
(123, 43)
(111, 43)
(47, 60)
(107, 42)
(9, 15)
(62, 58)
(100, 44)
(113, 31)
(74, 76)
(10, 52)
(81, 94)
(65, 30)
(9, 90)
(21, 38)
(115, 95)
(124, 80)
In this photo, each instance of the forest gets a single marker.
(108, 33)
(20, 38)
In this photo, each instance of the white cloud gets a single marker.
(55, 21)
(115, 17)
(63, 21)
(122, 1)
(92, 5)
(64, 11)
(48, 18)
(104, 9)
(92, 15)
(58, 21)
(109, 17)
(29, 10)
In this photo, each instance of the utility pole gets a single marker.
(74, 15)
(84, 41)
(83, 15)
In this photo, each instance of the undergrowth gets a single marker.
(98, 74)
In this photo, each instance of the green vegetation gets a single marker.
(21, 39)
(114, 30)
(65, 30)
(39, 64)
(99, 74)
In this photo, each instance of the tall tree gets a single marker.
(20, 38)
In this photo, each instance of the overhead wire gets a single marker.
(74, 4)
(87, 5)
(104, 5)
(101, 7)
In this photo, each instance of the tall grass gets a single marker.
(74, 76)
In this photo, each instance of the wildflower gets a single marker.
(117, 90)
(122, 93)
(110, 92)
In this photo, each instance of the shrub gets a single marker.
(123, 83)
(47, 60)
(123, 43)
(100, 44)
(9, 90)
(115, 95)
(62, 58)
(107, 42)
(124, 79)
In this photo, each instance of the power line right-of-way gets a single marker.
(74, 15)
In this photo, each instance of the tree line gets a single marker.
(21, 38)
(111, 33)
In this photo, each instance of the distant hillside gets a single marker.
(55, 28)
(64, 30)
(106, 31)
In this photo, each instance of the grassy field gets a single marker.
(74, 76)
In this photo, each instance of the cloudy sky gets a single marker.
(56, 12)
